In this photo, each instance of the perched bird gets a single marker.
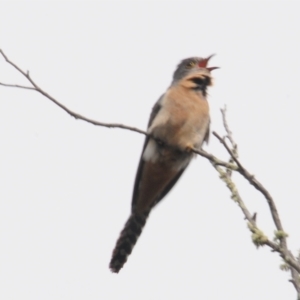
(179, 123)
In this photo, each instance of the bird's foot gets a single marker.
(189, 148)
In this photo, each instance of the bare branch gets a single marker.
(216, 161)
(235, 194)
(258, 237)
(69, 111)
(232, 155)
(108, 125)
(229, 132)
(251, 179)
(222, 167)
(17, 86)
(230, 138)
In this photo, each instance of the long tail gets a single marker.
(127, 240)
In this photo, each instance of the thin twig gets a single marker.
(253, 181)
(282, 248)
(97, 123)
(215, 160)
(17, 86)
(258, 237)
(223, 142)
(69, 111)
(234, 164)
(229, 136)
(229, 132)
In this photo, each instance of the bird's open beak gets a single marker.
(204, 61)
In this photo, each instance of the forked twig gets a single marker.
(224, 170)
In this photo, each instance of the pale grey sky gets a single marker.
(65, 185)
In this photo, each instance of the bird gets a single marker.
(179, 123)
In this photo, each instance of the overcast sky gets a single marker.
(65, 185)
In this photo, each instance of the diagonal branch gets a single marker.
(258, 237)
(94, 122)
(228, 131)
(69, 111)
(18, 86)
(222, 167)
(253, 181)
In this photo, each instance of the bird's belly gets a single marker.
(191, 133)
(182, 132)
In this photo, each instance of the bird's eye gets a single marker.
(190, 64)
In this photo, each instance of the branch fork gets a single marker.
(224, 169)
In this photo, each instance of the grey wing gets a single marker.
(206, 138)
(156, 108)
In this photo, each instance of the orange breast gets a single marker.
(186, 117)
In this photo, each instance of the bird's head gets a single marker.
(195, 73)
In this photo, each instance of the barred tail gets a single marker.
(127, 240)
